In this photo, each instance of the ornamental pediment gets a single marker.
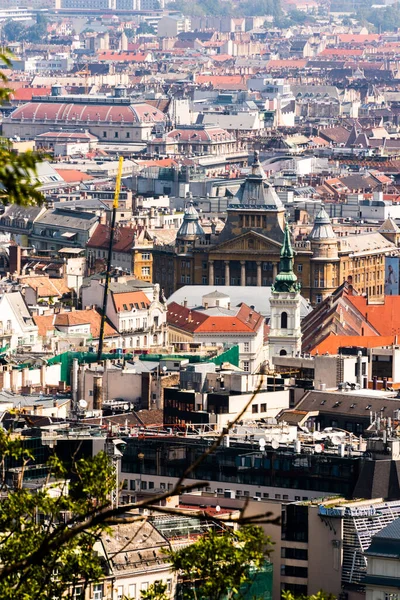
(248, 242)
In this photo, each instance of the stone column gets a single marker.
(259, 274)
(210, 272)
(242, 272)
(227, 273)
(274, 271)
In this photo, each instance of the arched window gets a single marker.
(282, 353)
(284, 320)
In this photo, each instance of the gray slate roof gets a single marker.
(67, 219)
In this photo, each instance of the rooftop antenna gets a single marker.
(110, 246)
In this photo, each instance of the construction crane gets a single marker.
(86, 72)
(110, 247)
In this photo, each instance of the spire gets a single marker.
(286, 280)
(322, 229)
(190, 228)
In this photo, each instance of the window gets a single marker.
(282, 353)
(116, 134)
(182, 279)
(294, 553)
(145, 270)
(144, 586)
(187, 278)
(78, 592)
(169, 585)
(9, 325)
(263, 408)
(204, 280)
(254, 408)
(104, 134)
(120, 592)
(132, 485)
(318, 298)
(299, 268)
(246, 347)
(128, 135)
(132, 590)
(98, 591)
(246, 366)
(294, 571)
(146, 256)
(284, 320)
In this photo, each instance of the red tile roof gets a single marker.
(26, 93)
(115, 56)
(332, 343)
(73, 175)
(124, 238)
(385, 318)
(358, 38)
(84, 317)
(44, 324)
(341, 52)
(130, 300)
(294, 63)
(246, 320)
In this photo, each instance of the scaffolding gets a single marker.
(360, 524)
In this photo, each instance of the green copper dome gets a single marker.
(286, 280)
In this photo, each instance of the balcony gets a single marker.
(6, 332)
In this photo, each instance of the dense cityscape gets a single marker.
(200, 300)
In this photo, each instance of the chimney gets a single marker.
(15, 259)
(97, 392)
(185, 303)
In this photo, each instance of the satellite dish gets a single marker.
(318, 448)
(82, 403)
(336, 440)
(261, 443)
(275, 444)
(217, 508)
(126, 406)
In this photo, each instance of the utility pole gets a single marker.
(110, 247)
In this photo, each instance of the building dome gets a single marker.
(322, 229)
(69, 113)
(256, 190)
(190, 228)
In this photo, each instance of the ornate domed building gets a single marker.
(110, 118)
(247, 251)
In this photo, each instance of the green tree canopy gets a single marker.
(220, 562)
(18, 184)
(14, 31)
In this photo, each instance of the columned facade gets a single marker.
(242, 272)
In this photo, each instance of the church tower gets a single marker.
(285, 330)
(324, 264)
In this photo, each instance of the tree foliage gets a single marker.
(321, 595)
(15, 31)
(39, 559)
(155, 591)
(220, 562)
(18, 183)
(227, 8)
(382, 19)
